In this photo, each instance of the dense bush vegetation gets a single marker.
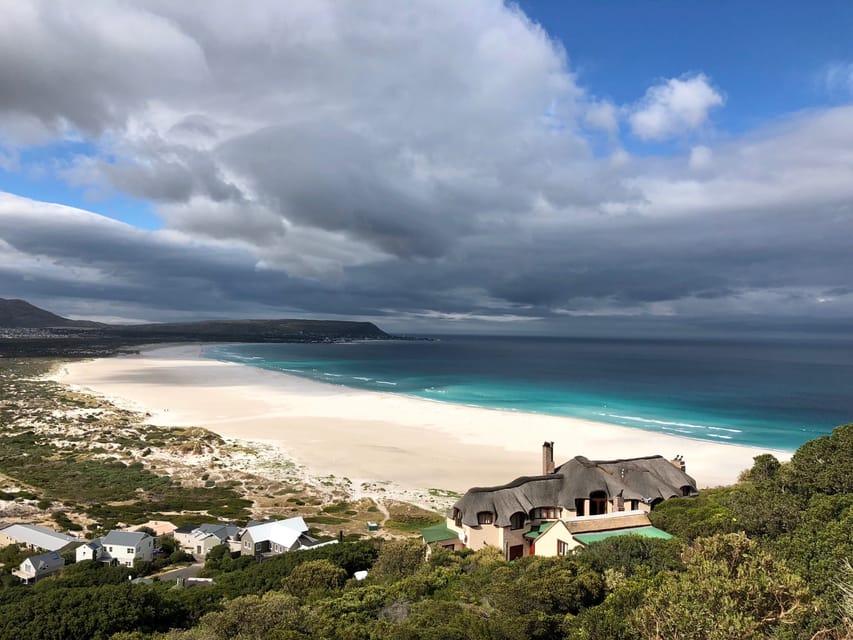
(762, 559)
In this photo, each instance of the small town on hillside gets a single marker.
(551, 514)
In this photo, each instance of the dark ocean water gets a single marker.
(771, 394)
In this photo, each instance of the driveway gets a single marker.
(184, 572)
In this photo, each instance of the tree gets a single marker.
(314, 578)
(730, 589)
(253, 617)
(689, 518)
(397, 559)
(765, 467)
(627, 554)
(845, 588)
(825, 465)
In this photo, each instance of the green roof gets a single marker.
(438, 533)
(646, 532)
(538, 529)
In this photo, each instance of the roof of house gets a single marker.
(40, 537)
(281, 532)
(609, 522)
(221, 531)
(538, 529)
(159, 527)
(45, 561)
(124, 538)
(438, 533)
(646, 532)
(187, 528)
(645, 479)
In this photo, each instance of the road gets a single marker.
(184, 572)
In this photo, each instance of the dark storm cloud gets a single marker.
(433, 161)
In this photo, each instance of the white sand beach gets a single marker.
(370, 436)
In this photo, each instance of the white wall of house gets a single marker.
(85, 552)
(203, 544)
(185, 540)
(125, 556)
(549, 543)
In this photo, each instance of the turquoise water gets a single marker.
(775, 395)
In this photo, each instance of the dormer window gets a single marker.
(457, 517)
(485, 517)
(545, 513)
(516, 521)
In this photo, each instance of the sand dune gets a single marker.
(370, 436)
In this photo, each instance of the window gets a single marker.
(545, 513)
(485, 517)
(516, 521)
(635, 504)
(597, 503)
(129, 550)
(457, 517)
(685, 490)
(562, 548)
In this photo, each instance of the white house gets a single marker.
(90, 550)
(199, 540)
(119, 547)
(275, 537)
(34, 537)
(36, 567)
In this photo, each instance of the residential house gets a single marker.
(34, 537)
(90, 550)
(263, 539)
(198, 540)
(39, 566)
(555, 512)
(159, 527)
(119, 547)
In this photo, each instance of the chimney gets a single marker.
(547, 458)
(678, 461)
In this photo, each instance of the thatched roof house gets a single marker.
(631, 481)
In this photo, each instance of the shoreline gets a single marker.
(370, 436)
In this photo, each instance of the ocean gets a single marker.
(769, 394)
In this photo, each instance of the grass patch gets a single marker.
(325, 520)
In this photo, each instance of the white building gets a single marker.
(199, 540)
(119, 547)
(34, 537)
(39, 566)
(275, 537)
(90, 550)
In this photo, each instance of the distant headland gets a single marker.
(28, 331)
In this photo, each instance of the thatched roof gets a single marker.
(645, 479)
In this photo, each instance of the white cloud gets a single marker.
(351, 158)
(603, 115)
(673, 107)
(838, 77)
(701, 158)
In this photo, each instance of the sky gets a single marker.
(642, 167)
